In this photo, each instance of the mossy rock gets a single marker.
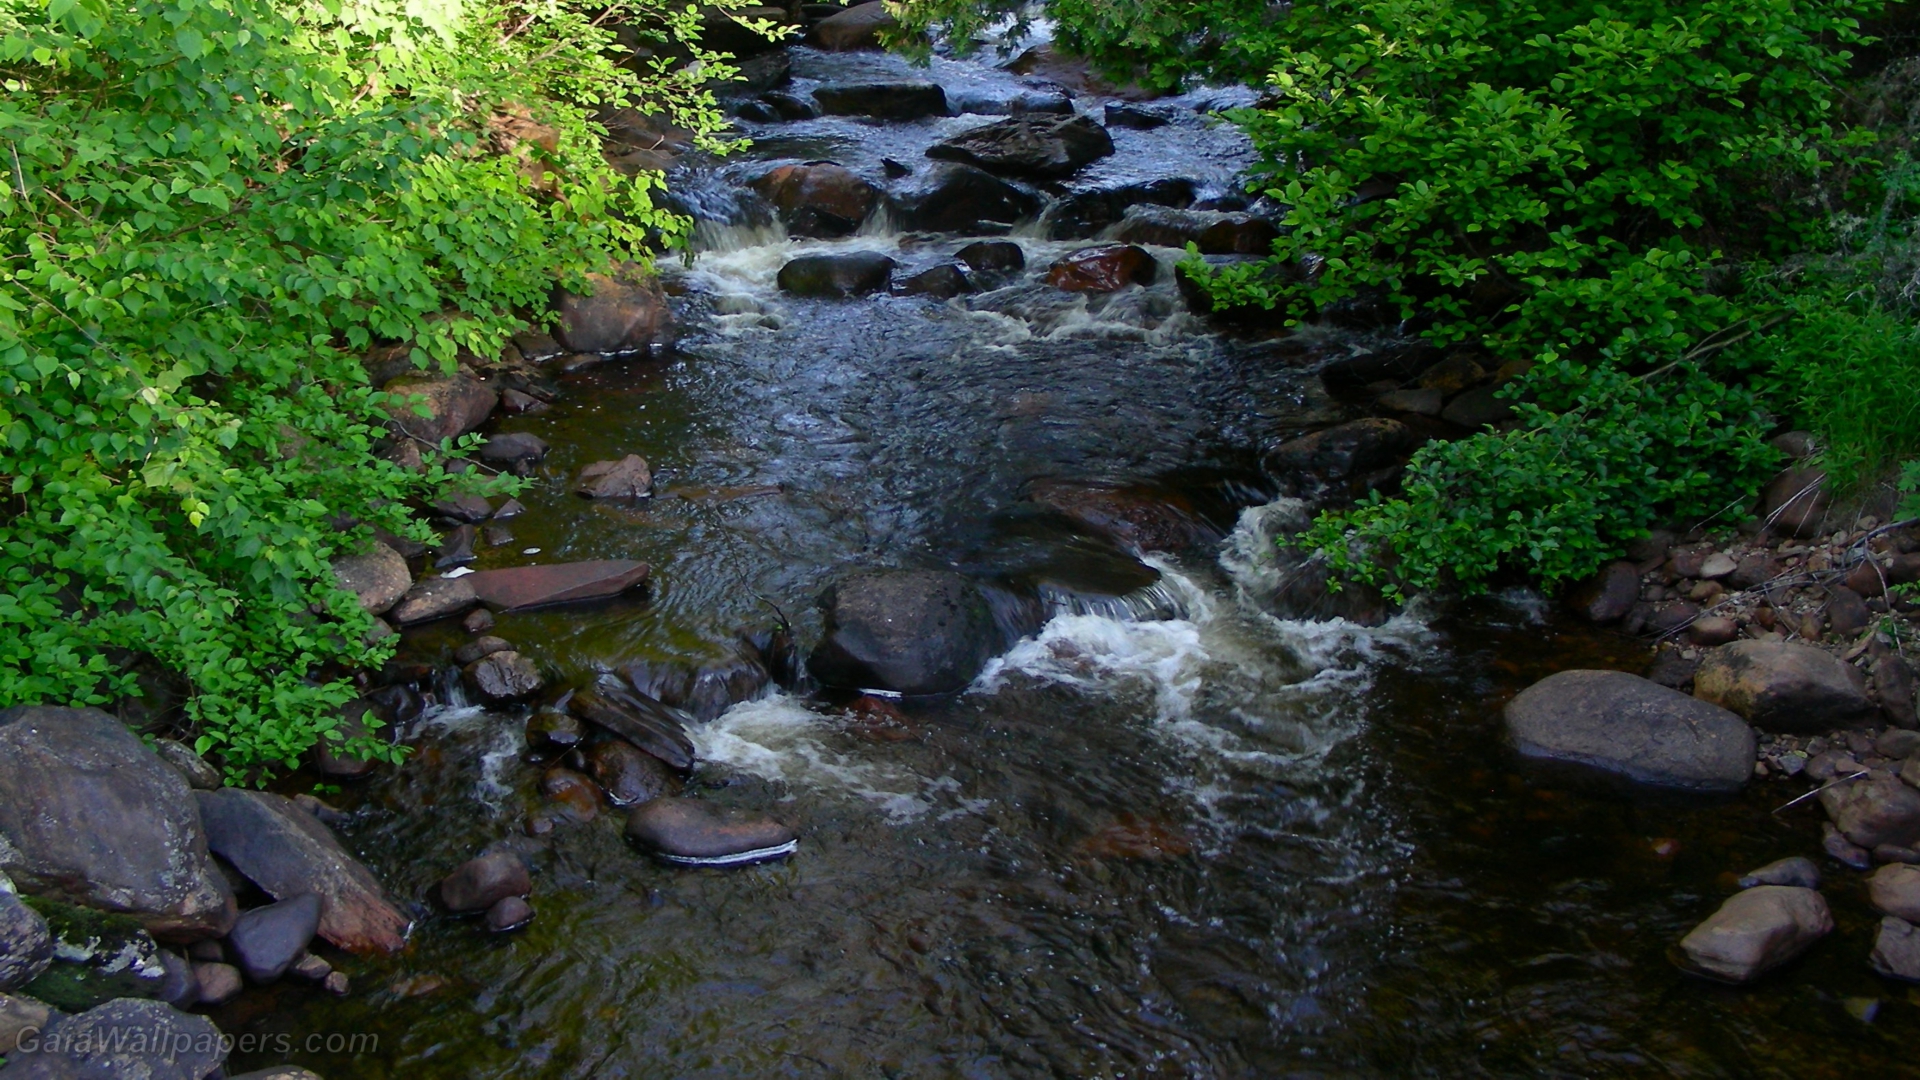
(97, 956)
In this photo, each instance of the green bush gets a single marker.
(211, 208)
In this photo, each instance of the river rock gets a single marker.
(573, 792)
(1624, 724)
(688, 832)
(454, 406)
(378, 576)
(88, 813)
(504, 676)
(1607, 596)
(1847, 612)
(219, 982)
(882, 100)
(463, 507)
(1871, 578)
(516, 452)
(20, 1016)
(910, 631)
(480, 883)
(330, 756)
(483, 646)
(1896, 950)
(267, 940)
(1756, 931)
(1784, 687)
(1895, 890)
(1083, 215)
(858, 27)
(719, 686)
(818, 199)
(1795, 502)
(1133, 518)
(1129, 114)
(943, 282)
(962, 199)
(98, 956)
(191, 766)
(853, 273)
(288, 852)
(521, 588)
(626, 314)
(639, 719)
(1893, 683)
(1420, 402)
(993, 257)
(1874, 810)
(26, 945)
(551, 731)
(627, 478)
(627, 774)
(1797, 871)
(1214, 232)
(121, 1040)
(434, 598)
(1042, 147)
(1106, 268)
(1342, 461)
(511, 913)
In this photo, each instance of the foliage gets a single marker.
(1596, 456)
(212, 208)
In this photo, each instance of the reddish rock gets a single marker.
(521, 587)
(1872, 578)
(688, 832)
(623, 315)
(1106, 268)
(1132, 517)
(574, 793)
(1607, 596)
(1137, 838)
(1756, 931)
(1711, 630)
(629, 775)
(638, 719)
(453, 406)
(1847, 613)
(818, 198)
(287, 851)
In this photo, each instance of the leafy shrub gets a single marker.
(1597, 455)
(211, 208)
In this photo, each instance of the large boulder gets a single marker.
(1756, 931)
(1875, 809)
(378, 576)
(841, 274)
(882, 100)
(26, 945)
(1214, 232)
(1042, 147)
(818, 199)
(686, 832)
(120, 1040)
(1340, 462)
(858, 27)
(625, 314)
(1628, 725)
(1085, 214)
(962, 199)
(90, 814)
(287, 852)
(452, 406)
(1784, 687)
(909, 631)
(1103, 268)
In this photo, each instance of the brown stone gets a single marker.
(504, 676)
(1875, 809)
(482, 882)
(521, 587)
(574, 793)
(1048, 147)
(858, 27)
(1847, 613)
(623, 315)
(629, 775)
(1756, 931)
(1106, 268)
(690, 832)
(818, 198)
(454, 407)
(627, 478)
(378, 576)
(639, 720)
(1795, 502)
(1893, 684)
(1783, 687)
(1607, 596)
(1132, 517)
(434, 598)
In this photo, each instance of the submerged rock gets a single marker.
(1627, 725)
(1784, 687)
(993, 257)
(90, 814)
(1756, 931)
(288, 852)
(627, 478)
(520, 588)
(480, 883)
(1136, 519)
(511, 913)
(685, 832)
(942, 282)
(504, 676)
(1085, 214)
(853, 273)
(1214, 232)
(629, 775)
(909, 631)
(1046, 147)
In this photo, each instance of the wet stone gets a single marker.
(689, 833)
(1896, 950)
(818, 199)
(520, 588)
(1797, 871)
(267, 940)
(629, 775)
(1607, 596)
(1783, 687)
(552, 730)
(1106, 268)
(860, 26)
(624, 314)
(219, 983)
(435, 598)
(648, 724)
(511, 913)
(962, 199)
(1628, 725)
(504, 676)
(456, 548)
(1844, 851)
(1756, 931)
(483, 646)
(913, 632)
(837, 275)
(883, 100)
(1041, 147)
(1128, 114)
(517, 451)
(627, 478)
(478, 621)
(571, 792)
(479, 883)
(941, 283)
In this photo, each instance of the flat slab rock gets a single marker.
(90, 814)
(1633, 727)
(287, 851)
(658, 729)
(521, 587)
(1756, 931)
(686, 832)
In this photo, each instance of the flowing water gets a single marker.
(1171, 832)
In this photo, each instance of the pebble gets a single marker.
(219, 983)
(336, 984)
(511, 913)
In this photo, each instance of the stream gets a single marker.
(1174, 831)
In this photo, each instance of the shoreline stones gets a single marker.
(1783, 687)
(685, 832)
(378, 576)
(625, 314)
(1633, 727)
(907, 631)
(1756, 931)
(90, 814)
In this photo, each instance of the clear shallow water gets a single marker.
(1170, 833)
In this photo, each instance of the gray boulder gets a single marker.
(1624, 724)
(1756, 931)
(287, 851)
(267, 940)
(26, 945)
(909, 631)
(378, 576)
(1784, 687)
(88, 813)
(1896, 950)
(1874, 810)
(1895, 890)
(687, 832)
(120, 1040)
(1797, 870)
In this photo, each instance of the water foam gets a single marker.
(777, 738)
